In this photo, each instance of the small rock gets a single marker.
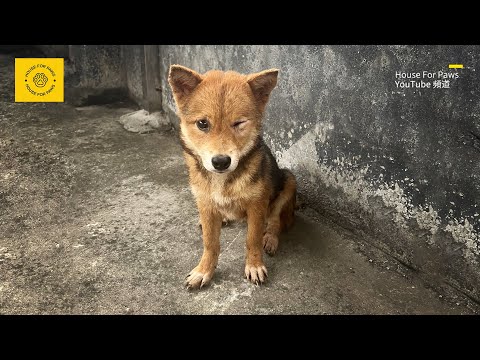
(142, 121)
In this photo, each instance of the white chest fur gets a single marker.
(226, 196)
(217, 186)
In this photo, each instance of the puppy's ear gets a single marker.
(262, 84)
(183, 81)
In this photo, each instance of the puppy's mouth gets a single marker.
(219, 171)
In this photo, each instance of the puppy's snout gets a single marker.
(221, 162)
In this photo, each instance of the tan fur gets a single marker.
(233, 104)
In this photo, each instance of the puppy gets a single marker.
(233, 174)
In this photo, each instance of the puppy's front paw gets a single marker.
(256, 274)
(197, 279)
(270, 243)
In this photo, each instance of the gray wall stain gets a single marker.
(95, 74)
(132, 60)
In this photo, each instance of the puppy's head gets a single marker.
(220, 113)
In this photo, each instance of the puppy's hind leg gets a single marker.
(281, 215)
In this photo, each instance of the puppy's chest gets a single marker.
(229, 197)
(225, 193)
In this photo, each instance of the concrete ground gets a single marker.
(98, 220)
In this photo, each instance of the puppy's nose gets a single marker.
(221, 162)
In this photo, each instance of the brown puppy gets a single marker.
(233, 174)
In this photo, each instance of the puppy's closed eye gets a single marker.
(240, 124)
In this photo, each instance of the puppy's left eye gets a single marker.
(203, 125)
(239, 124)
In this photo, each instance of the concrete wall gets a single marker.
(133, 58)
(399, 167)
(55, 50)
(95, 74)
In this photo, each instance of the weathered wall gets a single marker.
(95, 74)
(55, 50)
(107, 73)
(400, 167)
(133, 57)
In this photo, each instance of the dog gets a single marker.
(232, 172)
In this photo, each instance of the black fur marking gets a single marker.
(267, 167)
(260, 171)
(243, 162)
(277, 176)
(246, 158)
(186, 148)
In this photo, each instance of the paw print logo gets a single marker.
(40, 80)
